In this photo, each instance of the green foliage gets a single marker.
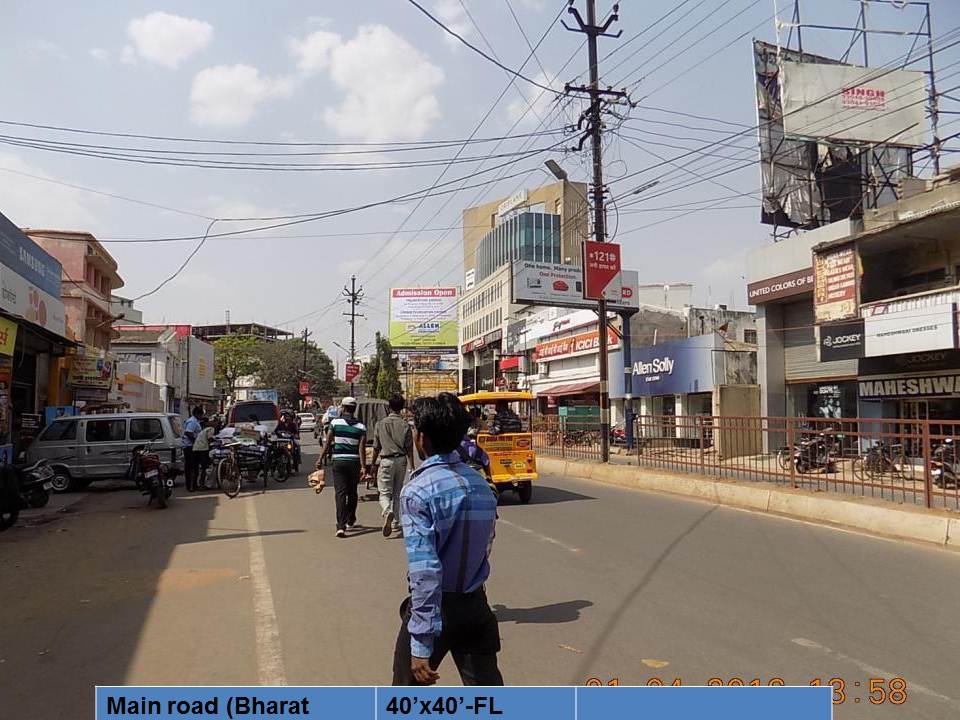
(235, 356)
(381, 375)
(281, 367)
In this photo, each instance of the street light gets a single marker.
(554, 167)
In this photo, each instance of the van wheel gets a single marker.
(61, 481)
(525, 492)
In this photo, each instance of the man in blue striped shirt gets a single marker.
(448, 513)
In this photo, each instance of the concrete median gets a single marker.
(877, 517)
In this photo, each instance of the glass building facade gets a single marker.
(525, 236)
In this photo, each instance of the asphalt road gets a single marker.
(588, 581)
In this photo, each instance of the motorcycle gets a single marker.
(151, 475)
(287, 440)
(22, 487)
(815, 453)
(944, 465)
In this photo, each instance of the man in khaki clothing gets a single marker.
(392, 454)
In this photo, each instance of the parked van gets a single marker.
(266, 412)
(97, 447)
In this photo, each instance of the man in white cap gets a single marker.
(348, 438)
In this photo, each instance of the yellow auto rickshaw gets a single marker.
(513, 462)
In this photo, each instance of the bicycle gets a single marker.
(883, 459)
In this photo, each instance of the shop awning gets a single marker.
(571, 388)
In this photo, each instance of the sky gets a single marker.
(369, 72)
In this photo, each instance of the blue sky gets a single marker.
(374, 71)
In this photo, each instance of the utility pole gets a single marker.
(305, 334)
(597, 97)
(353, 296)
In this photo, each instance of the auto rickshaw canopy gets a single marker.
(483, 398)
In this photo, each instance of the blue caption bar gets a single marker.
(454, 703)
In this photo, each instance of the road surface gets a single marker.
(588, 581)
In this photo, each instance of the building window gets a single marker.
(750, 336)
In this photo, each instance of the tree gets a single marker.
(281, 367)
(380, 374)
(234, 357)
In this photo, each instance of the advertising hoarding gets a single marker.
(677, 366)
(91, 372)
(841, 341)
(910, 330)
(28, 260)
(8, 336)
(844, 102)
(200, 368)
(20, 297)
(601, 262)
(536, 283)
(351, 371)
(835, 284)
(423, 317)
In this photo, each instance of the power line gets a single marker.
(480, 52)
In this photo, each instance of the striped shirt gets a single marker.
(346, 438)
(448, 514)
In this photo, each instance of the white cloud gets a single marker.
(128, 56)
(39, 47)
(536, 102)
(167, 39)
(389, 84)
(453, 14)
(228, 95)
(99, 54)
(313, 52)
(30, 202)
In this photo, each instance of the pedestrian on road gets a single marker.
(201, 455)
(348, 439)
(448, 514)
(191, 429)
(392, 455)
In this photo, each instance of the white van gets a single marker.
(97, 447)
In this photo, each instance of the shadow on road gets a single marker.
(555, 613)
(544, 495)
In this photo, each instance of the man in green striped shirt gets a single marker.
(348, 438)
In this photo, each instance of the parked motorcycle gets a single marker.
(151, 475)
(815, 453)
(22, 487)
(944, 464)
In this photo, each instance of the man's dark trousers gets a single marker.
(469, 632)
(346, 477)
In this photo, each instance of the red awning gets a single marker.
(572, 388)
(510, 363)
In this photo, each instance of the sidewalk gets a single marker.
(877, 517)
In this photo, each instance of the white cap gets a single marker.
(348, 401)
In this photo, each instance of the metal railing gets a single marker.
(904, 461)
(566, 437)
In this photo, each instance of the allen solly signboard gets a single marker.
(676, 367)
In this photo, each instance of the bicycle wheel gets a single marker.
(784, 458)
(228, 477)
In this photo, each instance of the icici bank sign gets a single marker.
(574, 345)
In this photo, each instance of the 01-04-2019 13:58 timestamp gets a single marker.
(875, 691)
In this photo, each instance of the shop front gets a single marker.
(480, 362)
(913, 386)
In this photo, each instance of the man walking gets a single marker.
(448, 514)
(347, 437)
(392, 451)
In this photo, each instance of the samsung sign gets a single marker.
(676, 367)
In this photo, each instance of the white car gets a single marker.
(307, 422)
